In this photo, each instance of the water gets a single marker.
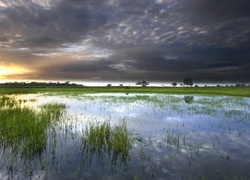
(208, 138)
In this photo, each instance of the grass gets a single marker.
(101, 139)
(53, 111)
(230, 91)
(24, 130)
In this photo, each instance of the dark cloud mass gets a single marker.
(156, 40)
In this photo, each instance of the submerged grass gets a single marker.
(53, 111)
(102, 139)
(24, 130)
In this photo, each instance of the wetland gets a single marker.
(129, 135)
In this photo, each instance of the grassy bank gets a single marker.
(229, 91)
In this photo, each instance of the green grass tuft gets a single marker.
(24, 130)
(102, 139)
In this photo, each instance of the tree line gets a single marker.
(40, 84)
(187, 82)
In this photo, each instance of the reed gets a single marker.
(101, 139)
(24, 130)
(52, 111)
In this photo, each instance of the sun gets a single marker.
(6, 72)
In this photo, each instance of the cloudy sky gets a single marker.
(125, 40)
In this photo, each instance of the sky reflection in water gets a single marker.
(209, 138)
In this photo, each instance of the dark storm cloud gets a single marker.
(63, 22)
(123, 23)
(85, 66)
(127, 39)
(219, 9)
(201, 63)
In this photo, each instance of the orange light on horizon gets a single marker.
(12, 71)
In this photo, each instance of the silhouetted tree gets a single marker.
(188, 82)
(142, 83)
(174, 84)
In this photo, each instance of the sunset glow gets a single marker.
(7, 72)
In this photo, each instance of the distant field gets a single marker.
(229, 91)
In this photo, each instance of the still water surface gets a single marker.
(208, 138)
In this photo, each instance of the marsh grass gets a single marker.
(113, 142)
(53, 111)
(24, 130)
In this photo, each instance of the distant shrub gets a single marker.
(188, 99)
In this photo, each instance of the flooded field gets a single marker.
(133, 136)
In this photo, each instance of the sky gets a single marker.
(125, 40)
